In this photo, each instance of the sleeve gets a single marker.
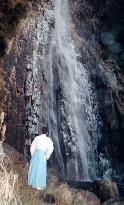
(49, 150)
(32, 148)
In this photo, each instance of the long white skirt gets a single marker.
(38, 170)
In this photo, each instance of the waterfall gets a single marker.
(59, 94)
(72, 105)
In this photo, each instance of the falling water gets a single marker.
(72, 105)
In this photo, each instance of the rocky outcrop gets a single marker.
(106, 190)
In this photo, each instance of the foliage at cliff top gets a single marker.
(11, 12)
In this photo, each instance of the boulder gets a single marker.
(85, 197)
(106, 190)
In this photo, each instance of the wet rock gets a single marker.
(115, 47)
(85, 197)
(115, 31)
(118, 201)
(121, 186)
(122, 56)
(85, 185)
(107, 38)
(106, 190)
(48, 198)
(105, 166)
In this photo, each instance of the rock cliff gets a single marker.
(97, 30)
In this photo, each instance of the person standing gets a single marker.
(41, 150)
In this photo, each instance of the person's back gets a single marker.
(42, 141)
(41, 149)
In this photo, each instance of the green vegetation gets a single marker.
(16, 14)
(11, 12)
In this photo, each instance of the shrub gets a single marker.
(20, 10)
(15, 14)
(10, 15)
(5, 5)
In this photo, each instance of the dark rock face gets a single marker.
(15, 78)
(26, 81)
(100, 24)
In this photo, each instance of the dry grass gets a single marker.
(14, 189)
(64, 195)
(85, 198)
(61, 193)
(11, 13)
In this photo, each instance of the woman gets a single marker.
(41, 149)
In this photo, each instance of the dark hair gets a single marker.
(44, 130)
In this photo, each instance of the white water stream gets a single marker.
(72, 103)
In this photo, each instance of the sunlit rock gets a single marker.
(1, 149)
(2, 115)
